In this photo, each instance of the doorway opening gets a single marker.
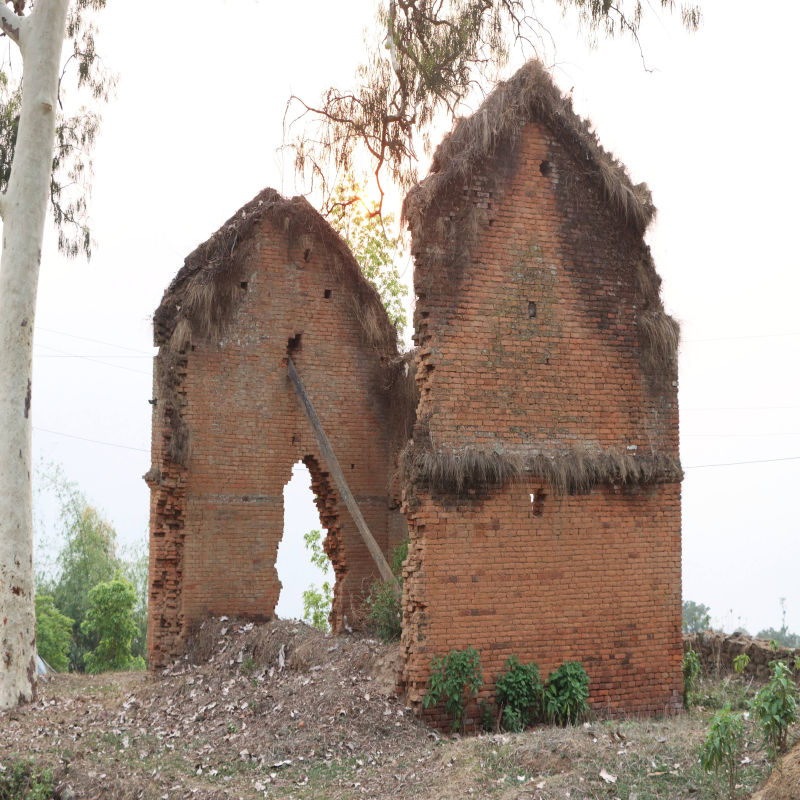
(309, 561)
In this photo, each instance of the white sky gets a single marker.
(192, 136)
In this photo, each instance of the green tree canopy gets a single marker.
(53, 633)
(109, 622)
(695, 617)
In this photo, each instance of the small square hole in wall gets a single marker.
(294, 344)
(327, 294)
(243, 285)
(531, 309)
(307, 255)
(546, 168)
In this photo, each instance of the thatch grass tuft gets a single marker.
(530, 95)
(659, 337)
(575, 470)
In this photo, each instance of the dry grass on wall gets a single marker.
(575, 470)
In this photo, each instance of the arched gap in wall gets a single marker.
(295, 569)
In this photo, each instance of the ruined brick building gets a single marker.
(535, 470)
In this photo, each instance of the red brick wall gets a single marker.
(216, 524)
(595, 577)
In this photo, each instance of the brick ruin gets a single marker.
(535, 469)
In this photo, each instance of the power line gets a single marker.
(737, 463)
(737, 408)
(749, 336)
(96, 341)
(735, 435)
(93, 441)
(95, 360)
(81, 355)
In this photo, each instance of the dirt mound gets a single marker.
(784, 783)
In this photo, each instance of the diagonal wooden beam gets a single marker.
(338, 476)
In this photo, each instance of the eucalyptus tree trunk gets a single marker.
(40, 36)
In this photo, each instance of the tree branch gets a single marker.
(11, 24)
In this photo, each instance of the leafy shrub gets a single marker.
(21, 780)
(384, 615)
(317, 602)
(566, 693)
(691, 675)
(53, 633)
(519, 690)
(775, 707)
(110, 622)
(740, 663)
(456, 677)
(720, 751)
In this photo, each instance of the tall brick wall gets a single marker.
(528, 344)
(217, 520)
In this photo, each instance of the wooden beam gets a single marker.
(338, 476)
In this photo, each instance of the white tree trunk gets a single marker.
(24, 206)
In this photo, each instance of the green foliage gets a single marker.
(519, 692)
(23, 780)
(720, 751)
(53, 633)
(358, 222)
(566, 694)
(696, 617)
(109, 621)
(87, 558)
(740, 663)
(775, 707)
(317, 602)
(384, 615)
(456, 678)
(136, 568)
(692, 670)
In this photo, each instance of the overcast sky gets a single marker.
(194, 133)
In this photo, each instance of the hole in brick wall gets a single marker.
(327, 294)
(537, 502)
(296, 571)
(531, 309)
(307, 255)
(545, 167)
(243, 284)
(294, 344)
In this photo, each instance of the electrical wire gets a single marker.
(738, 463)
(93, 441)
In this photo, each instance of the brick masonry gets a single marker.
(531, 345)
(217, 521)
(531, 289)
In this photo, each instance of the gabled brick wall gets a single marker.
(217, 520)
(530, 345)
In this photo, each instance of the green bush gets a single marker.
(740, 663)
(720, 751)
(109, 621)
(519, 691)
(384, 615)
(457, 677)
(53, 633)
(691, 675)
(567, 693)
(775, 707)
(22, 780)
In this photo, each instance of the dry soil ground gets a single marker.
(280, 710)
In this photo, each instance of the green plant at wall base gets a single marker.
(384, 615)
(456, 678)
(519, 691)
(720, 751)
(22, 780)
(691, 674)
(740, 663)
(566, 694)
(775, 707)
